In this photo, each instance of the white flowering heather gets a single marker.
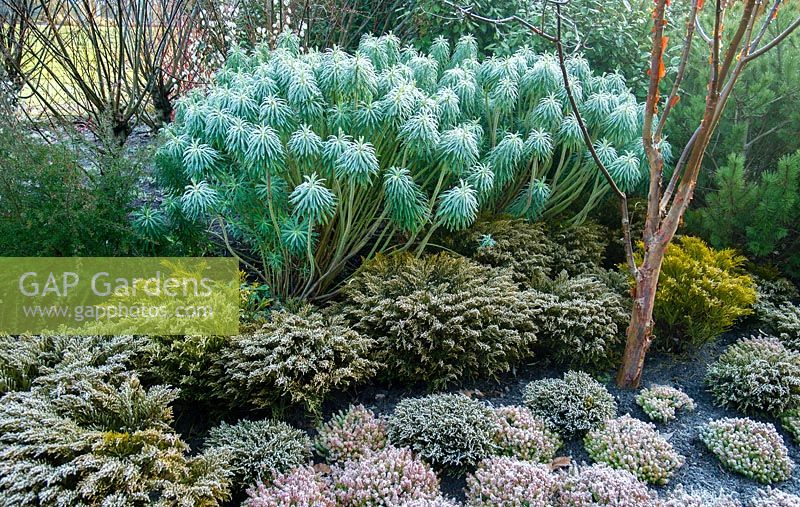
(757, 374)
(601, 486)
(350, 434)
(301, 487)
(509, 482)
(436, 502)
(660, 403)
(751, 448)
(680, 497)
(258, 449)
(630, 444)
(571, 405)
(390, 477)
(448, 430)
(790, 422)
(523, 435)
(770, 497)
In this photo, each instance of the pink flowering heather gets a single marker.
(602, 486)
(680, 497)
(774, 498)
(525, 436)
(350, 434)
(390, 478)
(509, 482)
(302, 487)
(436, 502)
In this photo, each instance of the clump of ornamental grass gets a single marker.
(790, 422)
(756, 374)
(661, 403)
(680, 497)
(86, 436)
(524, 436)
(581, 321)
(441, 319)
(571, 405)
(753, 449)
(389, 477)
(448, 430)
(351, 434)
(256, 450)
(630, 444)
(770, 497)
(297, 357)
(601, 486)
(509, 482)
(300, 487)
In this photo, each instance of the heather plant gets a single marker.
(680, 497)
(97, 438)
(351, 434)
(756, 374)
(770, 497)
(581, 321)
(601, 486)
(790, 422)
(783, 322)
(307, 158)
(661, 403)
(524, 436)
(750, 448)
(509, 482)
(448, 430)
(630, 444)
(701, 293)
(571, 405)
(297, 357)
(441, 319)
(300, 487)
(257, 450)
(390, 477)
(436, 502)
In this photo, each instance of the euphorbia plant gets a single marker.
(307, 161)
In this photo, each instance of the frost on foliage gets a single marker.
(602, 486)
(23, 359)
(790, 422)
(441, 319)
(770, 497)
(298, 357)
(782, 321)
(447, 430)
(680, 497)
(509, 482)
(351, 434)
(390, 477)
(630, 444)
(255, 450)
(571, 405)
(301, 487)
(751, 448)
(100, 439)
(524, 436)
(756, 374)
(661, 403)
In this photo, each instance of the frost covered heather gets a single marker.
(601, 486)
(301, 487)
(351, 434)
(523, 435)
(661, 403)
(509, 482)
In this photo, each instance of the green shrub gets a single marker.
(790, 422)
(630, 444)
(581, 321)
(701, 293)
(65, 198)
(750, 448)
(448, 430)
(257, 450)
(756, 375)
(441, 319)
(661, 402)
(306, 157)
(571, 405)
(351, 434)
(296, 357)
(100, 439)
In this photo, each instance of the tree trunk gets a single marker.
(640, 329)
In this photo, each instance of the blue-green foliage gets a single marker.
(313, 159)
